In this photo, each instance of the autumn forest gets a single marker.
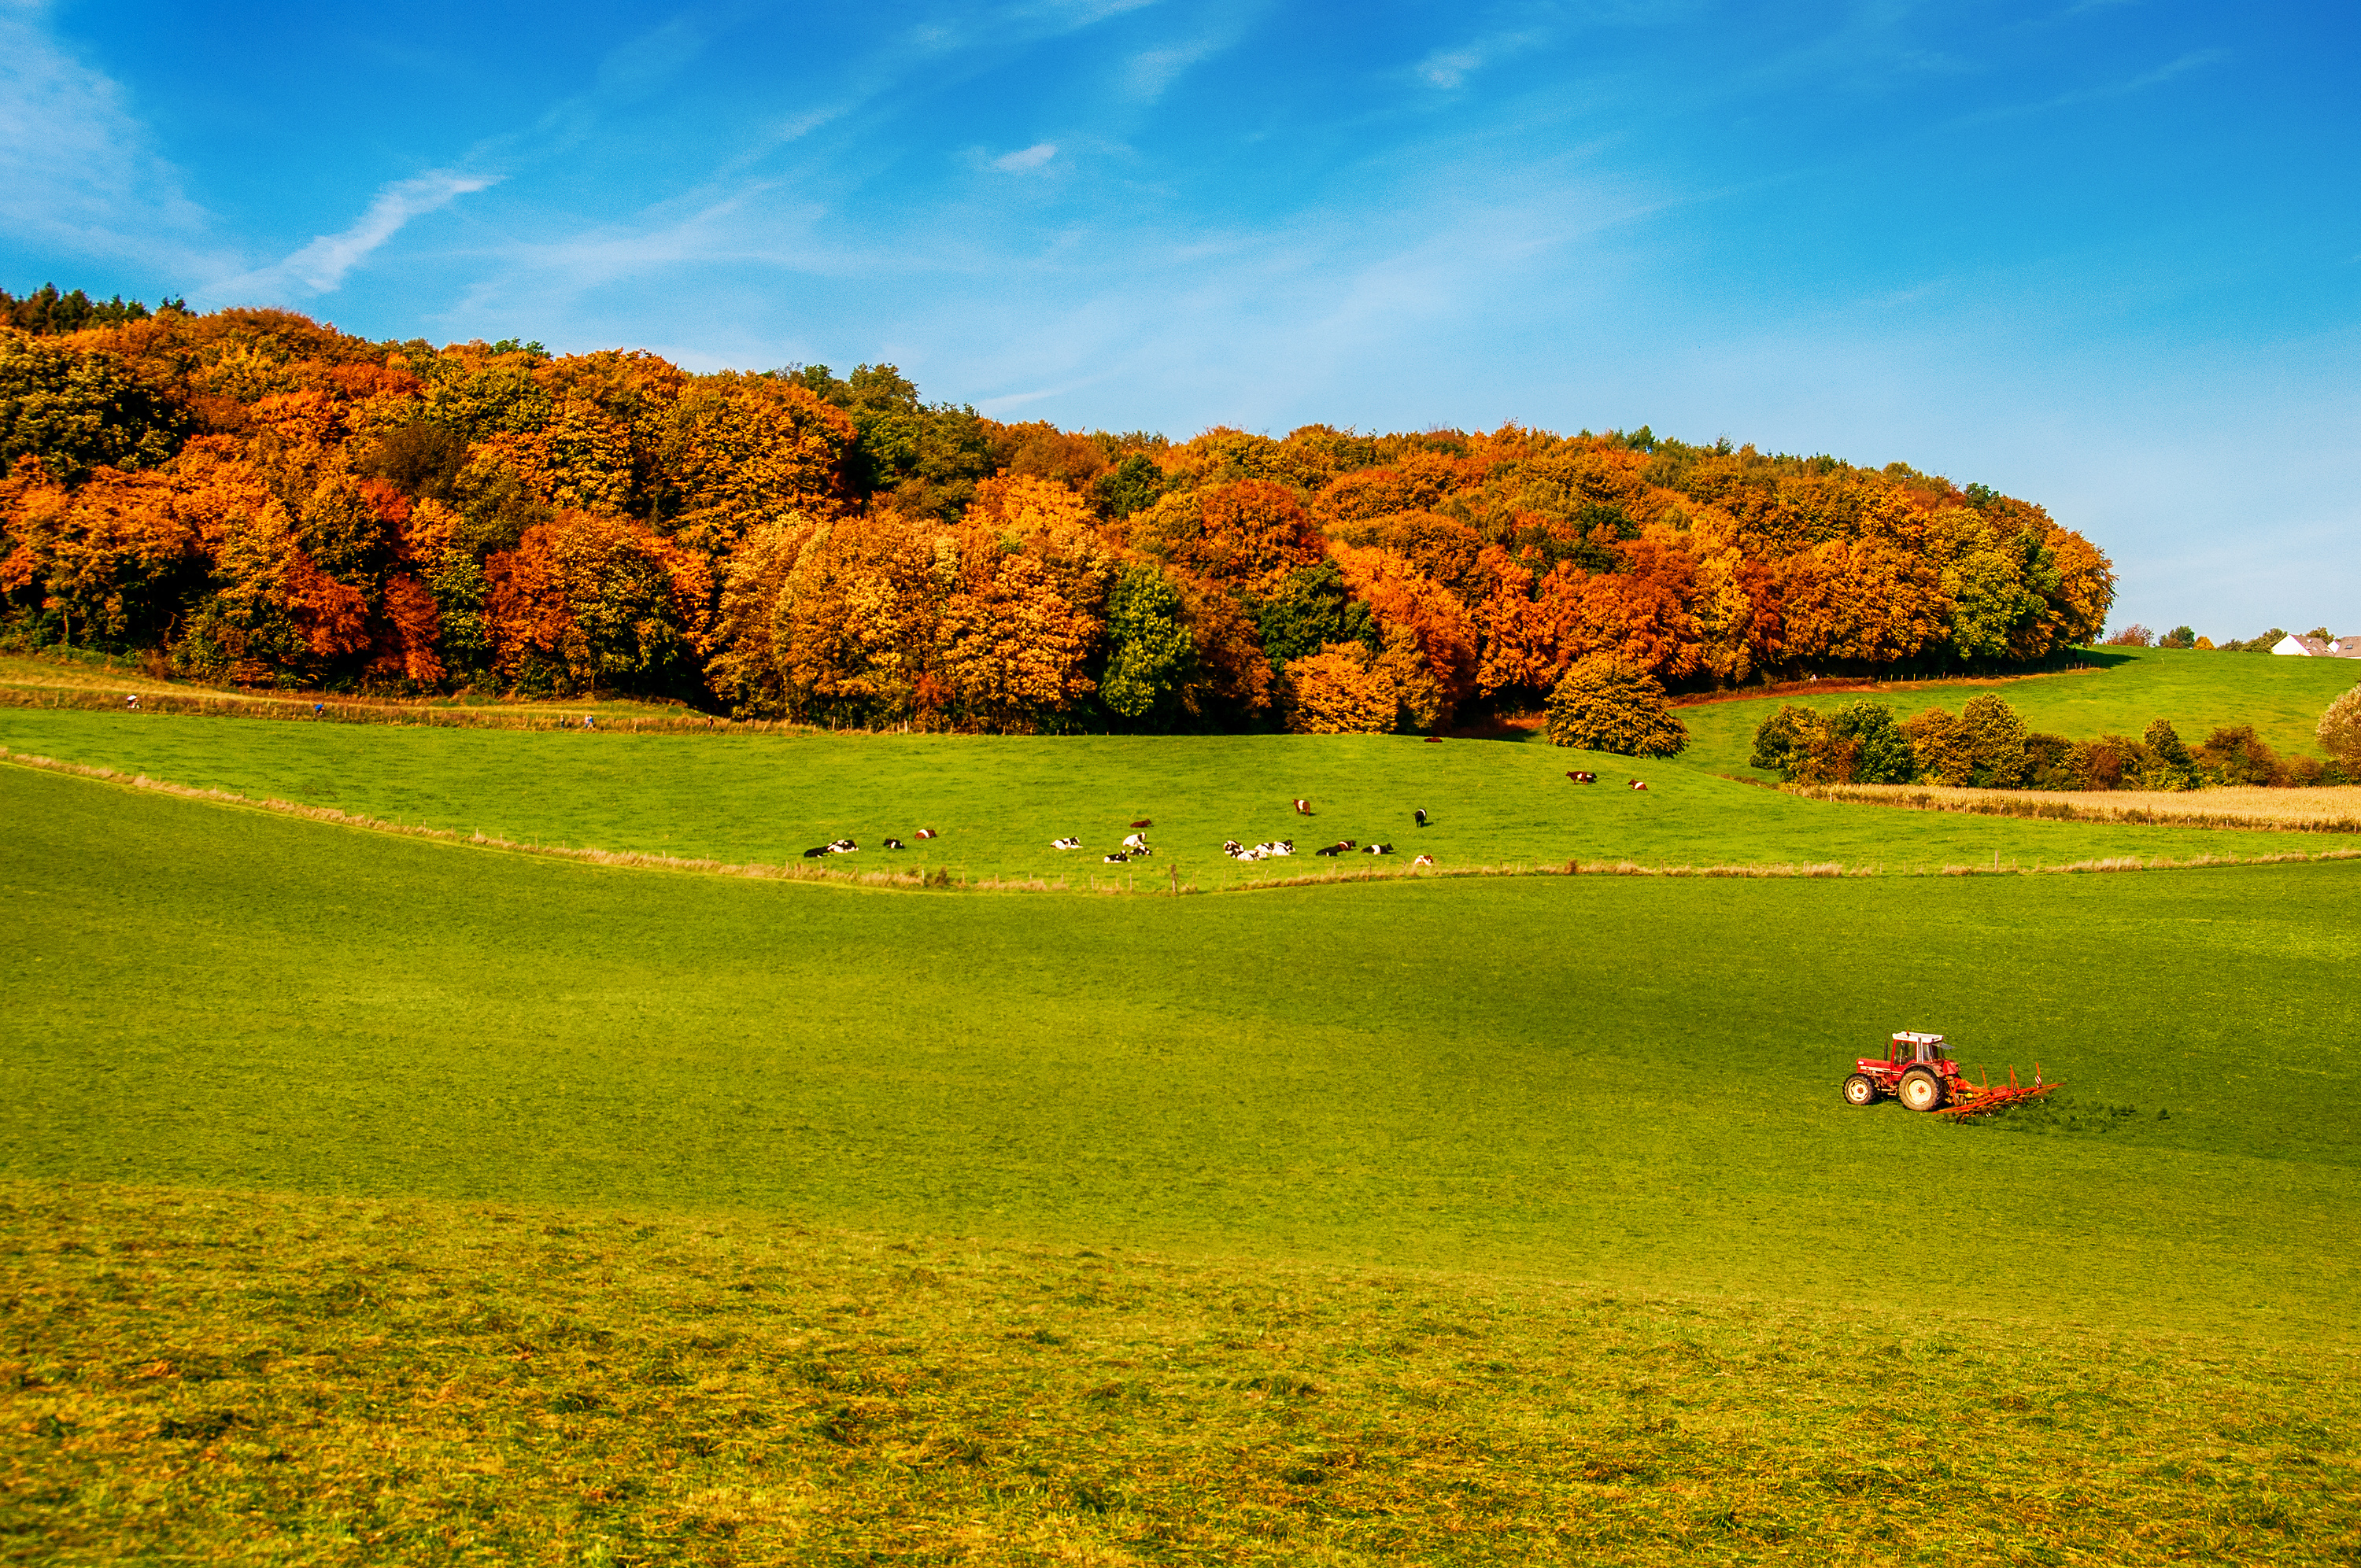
(247, 496)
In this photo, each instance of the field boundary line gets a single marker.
(942, 879)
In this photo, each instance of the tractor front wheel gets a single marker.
(1922, 1091)
(1860, 1090)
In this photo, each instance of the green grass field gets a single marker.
(379, 1199)
(2282, 697)
(998, 802)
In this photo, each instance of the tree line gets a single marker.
(248, 496)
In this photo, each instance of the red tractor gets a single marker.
(1917, 1071)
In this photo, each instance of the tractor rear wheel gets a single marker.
(1860, 1090)
(1922, 1091)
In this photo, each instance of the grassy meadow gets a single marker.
(371, 1198)
(2126, 690)
(998, 802)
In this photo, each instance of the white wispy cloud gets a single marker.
(2100, 92)
(1033, 157)
(79, 172)
(319, 267)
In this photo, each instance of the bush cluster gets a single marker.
(1987, 746)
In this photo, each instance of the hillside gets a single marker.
(258, 499)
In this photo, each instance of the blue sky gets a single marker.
(2105, 255)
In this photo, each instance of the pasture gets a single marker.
(999, 802)
(372, 1197)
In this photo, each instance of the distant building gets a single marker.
(2318, 647)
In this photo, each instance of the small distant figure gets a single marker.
(843, 847)
(1584, 778)
(1117, 858)
(1420, 815)
(816, 854)
(1303, 808)
(1639, 784)
(131, 702)
(1423, 860)
(1065, 843)
(589, 723)
(1135, 842)
(1377, 848)
(895, 844)
(1143, 822)
(1434, 739)
(925, 832)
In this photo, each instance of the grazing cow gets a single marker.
(1584, 778)
(843, 847)
(925, 832)
(816, 854)
(1065, 843)
(895, 844)
(1639, 784)
(1136, 842)
(1143, 822)
(1423, 860)
(1231, 846)
(1342, 847)
(1303, 808)
(1377, 848)
(1117, 858)
(1420, 815)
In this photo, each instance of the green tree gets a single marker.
(1312, 608)
(74, 412)
(1786, 741)
(2178, 637)
(1996, 743)
(1133, 485)
(1883, 754)
(1605, 704)
(2167, 763)
(1151, 654)
(2054, 763)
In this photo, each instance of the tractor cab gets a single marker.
(1908, 1048)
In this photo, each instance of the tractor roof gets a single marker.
(1907, 1038)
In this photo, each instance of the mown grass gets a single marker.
(1626, 1080)
(2282, 697)
(999, 802)
(241, 1377)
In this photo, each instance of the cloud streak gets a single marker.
(319, 267)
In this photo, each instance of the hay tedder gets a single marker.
(1917, 1071)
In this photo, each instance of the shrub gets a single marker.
(2113, 762)
(1884, 751)
(2052, 761)
(2178, 637)
(1784, 737)
(1996, 737)
(1942, 745)
(2168, 765)
(1605, 704)
(2132, 636)
(2340, 731)
(2238, 756)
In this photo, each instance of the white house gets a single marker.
(2315, 648)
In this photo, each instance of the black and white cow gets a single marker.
(1377, 848)
(895, 844)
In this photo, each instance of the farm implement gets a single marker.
(1918, 1070)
